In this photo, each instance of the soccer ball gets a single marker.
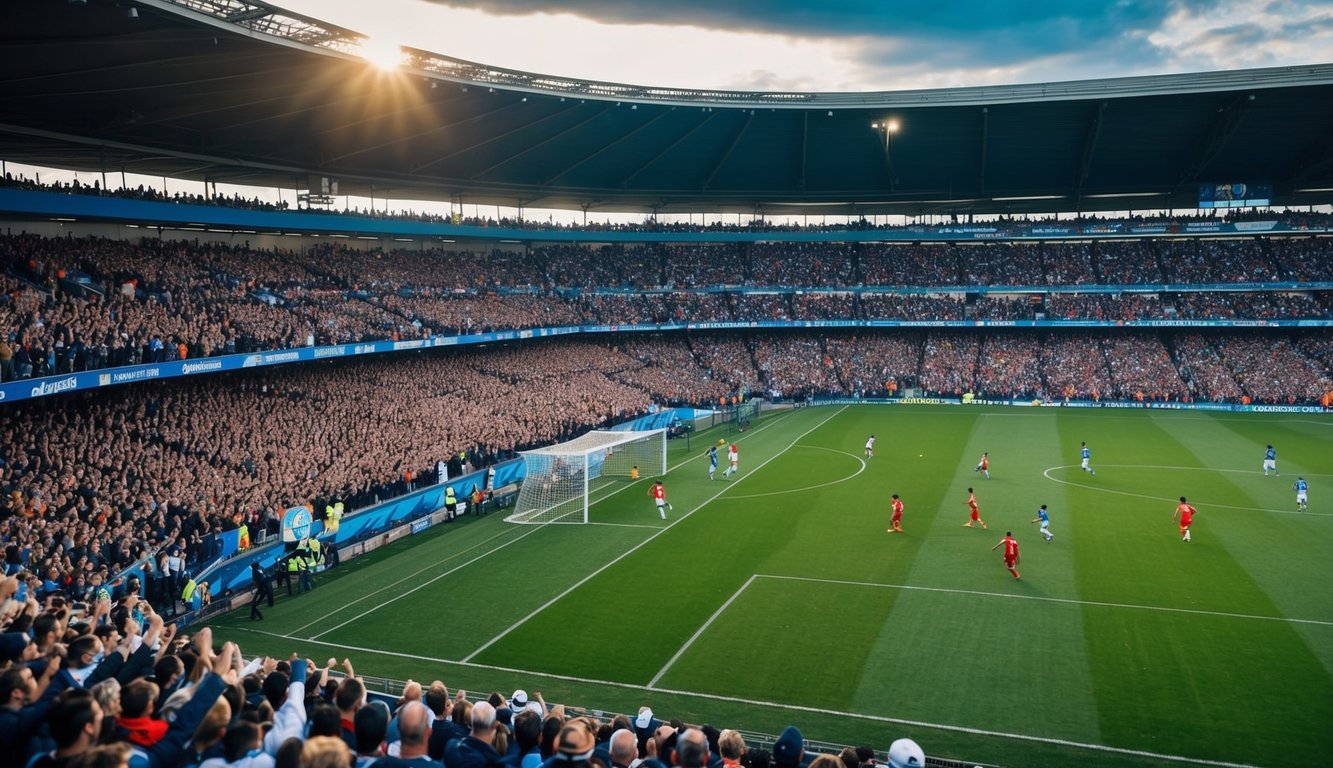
(721, 441)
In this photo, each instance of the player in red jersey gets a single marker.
(733, 456)
(1185, 513)
(983, 466)
(658, 492)
(897, 519)
(976, 514)
(1010, 552)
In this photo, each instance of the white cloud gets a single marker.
(1229, 34)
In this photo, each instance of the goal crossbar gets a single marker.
(558, 478)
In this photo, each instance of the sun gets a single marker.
(383, 53)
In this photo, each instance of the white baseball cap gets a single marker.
(905, 753)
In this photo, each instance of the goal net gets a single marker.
(558, 479)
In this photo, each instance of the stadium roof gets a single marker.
(241, 92)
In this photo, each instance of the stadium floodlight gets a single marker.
(558, 479)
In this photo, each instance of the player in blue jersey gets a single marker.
(1086, 453)
(1045, 521)
(1302, 501)
(712, 461)
(1270, 462)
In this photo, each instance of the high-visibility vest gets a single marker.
(188, 592)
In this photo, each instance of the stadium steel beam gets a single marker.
(556, 135)
(1210, 146)
(608, 145)
(721, 161)
(1089, 148)
(649, 162)
(533, 145)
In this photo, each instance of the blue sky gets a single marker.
(854, 45)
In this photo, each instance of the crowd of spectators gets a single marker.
(110, 683)
(74, 304)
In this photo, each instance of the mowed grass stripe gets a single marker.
(1001, 649)
(1268, 545)
(671, 586)
(440, 619)
(1165, 682)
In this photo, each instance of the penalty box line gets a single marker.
(1038, 598)
(432, 566)
(796, 708)
(539, 609)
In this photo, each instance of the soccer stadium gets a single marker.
(429, 411)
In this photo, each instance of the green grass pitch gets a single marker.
(778, 597)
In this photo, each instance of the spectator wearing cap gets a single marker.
(414, 733)
(789, 749)
(475, 750)
(905, 753)
(520, 701)
(576, 746)
(644, 727)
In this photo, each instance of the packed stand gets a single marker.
(796, 366)
(1202, 367)
(1007, 264)
(1107, 307)
(1075, 367)
(894, 306)
(877, 365)
(1142, 370)
(1010, 366)
(704, 264)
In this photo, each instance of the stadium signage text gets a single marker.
(199, 367)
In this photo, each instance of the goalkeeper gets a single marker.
(658, 492)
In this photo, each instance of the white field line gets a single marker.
(436, 564)
(432, 567)
(802, 709)
(1206, 504)
(702, 629)
(643, 543)
(425, 584)
(809, 487)
(1064, 600)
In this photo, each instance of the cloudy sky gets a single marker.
(848, 45)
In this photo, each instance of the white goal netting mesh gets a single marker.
(557, 480)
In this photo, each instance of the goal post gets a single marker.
(558, 479)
